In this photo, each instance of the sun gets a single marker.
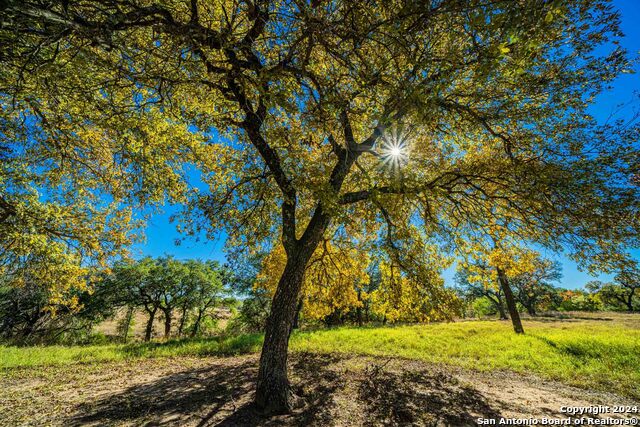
(394, 151)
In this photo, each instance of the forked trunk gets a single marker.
(511, 302)
(273, 393)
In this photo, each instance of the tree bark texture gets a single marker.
(273, 392)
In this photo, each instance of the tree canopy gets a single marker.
(624, 291)
(407, 124)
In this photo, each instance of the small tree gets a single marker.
(169, 277)
(497, 266)
(534, 288)
(207, 290)
(471, 290)
(623, 292)
(578, 300)
(126, 323)
(255, 301)
(132, 282)
(29, 314)
(166, 284)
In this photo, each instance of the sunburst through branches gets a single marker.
(395, 150)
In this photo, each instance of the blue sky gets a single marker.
(161, 235)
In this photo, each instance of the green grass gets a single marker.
(603, 355)
(585, 354)
(13, 357)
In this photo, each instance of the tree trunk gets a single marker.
(511, 302)
(503, 313)
(359, 309)
(31, 322)
(630, 301)
(296, 319)
(28, 330)
(531, 309)
(149, 329)
(333, 319)
(127, 326)
(273, 393)
(497, 303)
(167, 323)
(196, 324)
(183, 318)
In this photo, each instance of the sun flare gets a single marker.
(394, 151)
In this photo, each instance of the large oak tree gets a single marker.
(413, 124)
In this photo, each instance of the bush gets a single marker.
(482, 307)
(579, 301)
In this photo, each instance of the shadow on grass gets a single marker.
(557, 316)
(221, 395)
(585, 351)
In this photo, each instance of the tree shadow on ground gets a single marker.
(173, 399)
(420, 398)
(333, 392)
(315, 385)
(565, 317)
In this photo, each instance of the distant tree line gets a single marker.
(186, 294)
(186, 297)
(537, 291)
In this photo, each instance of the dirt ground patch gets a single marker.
(336, 390)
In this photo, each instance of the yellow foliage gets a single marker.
(401, 297)
(331, 280)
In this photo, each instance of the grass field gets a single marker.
(599, 354)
